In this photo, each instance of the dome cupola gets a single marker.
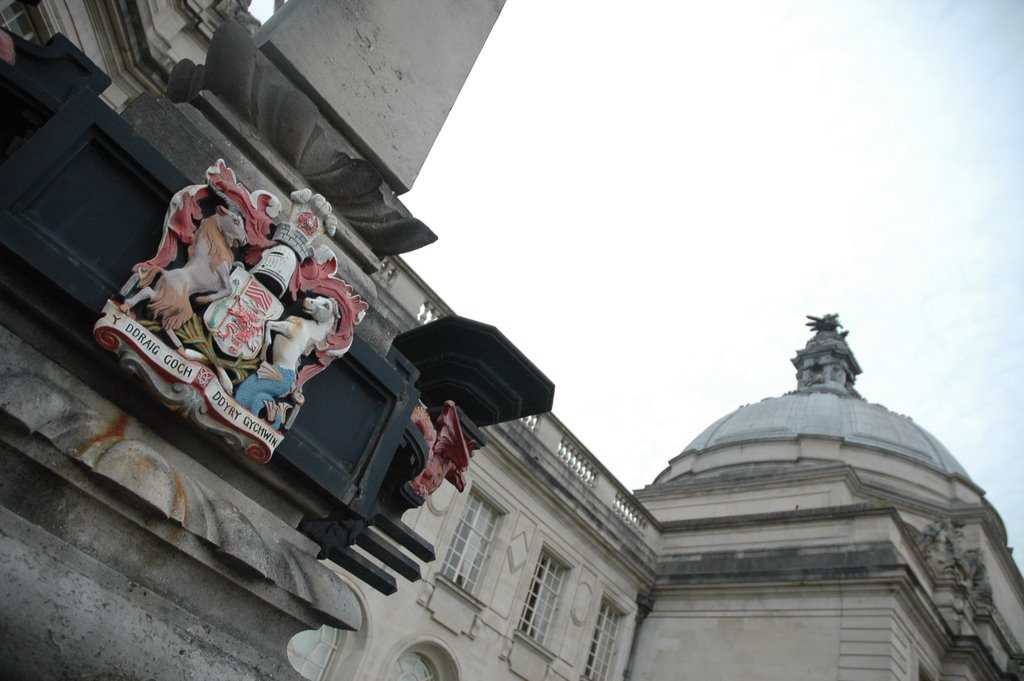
(825, 406)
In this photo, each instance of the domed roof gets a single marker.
(825, 404)
(821, 414)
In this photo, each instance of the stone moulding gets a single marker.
(856, 560)
(152, 485)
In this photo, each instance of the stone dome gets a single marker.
(825, 404)
(822, 414)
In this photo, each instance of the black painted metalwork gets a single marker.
(477, 367)
(82, 199)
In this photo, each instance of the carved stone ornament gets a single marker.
(450, 451)
(827, 364)
(243, 78)
(942, 542)
(239, 307)
(981, 587)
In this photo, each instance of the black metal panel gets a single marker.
(52, 75)
(82, 200)
(358, 400)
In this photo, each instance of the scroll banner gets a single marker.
(119, 332)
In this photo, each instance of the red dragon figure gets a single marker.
(450, 451)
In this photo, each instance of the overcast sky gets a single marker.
(648, 198)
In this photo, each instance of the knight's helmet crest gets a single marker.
(309, 218)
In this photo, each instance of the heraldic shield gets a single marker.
(238, 322)
(240, 306)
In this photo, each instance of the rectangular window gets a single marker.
(470, 544)
(599, 660)
(542, 598)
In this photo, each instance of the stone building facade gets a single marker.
(811, 536)
(814, 535)
(135, 43)
(540, 562)
(824, 536)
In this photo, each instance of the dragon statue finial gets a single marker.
(828, 323)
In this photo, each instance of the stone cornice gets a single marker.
(843, 442)
(757, 477)
(867, 560)
(983, 514)
(973, 652)
(798, 515)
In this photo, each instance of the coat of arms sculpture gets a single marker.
(236, 311)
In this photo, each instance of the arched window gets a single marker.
(412, 666)
(309, 651)
(422, 661)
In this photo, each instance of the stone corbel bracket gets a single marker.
(114, 452)
(289, 122)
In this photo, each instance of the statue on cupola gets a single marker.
(826, 363)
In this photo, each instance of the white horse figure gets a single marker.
(293, 338)
(208, 269)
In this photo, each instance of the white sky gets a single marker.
(648, 198)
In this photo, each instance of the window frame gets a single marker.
(530, 628)
(603, 644)
(456, 573)
(327, 637)
(440, 658)
(425, 662)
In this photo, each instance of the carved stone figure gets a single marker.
(981, 587)
(226, 271)
(941, 542)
